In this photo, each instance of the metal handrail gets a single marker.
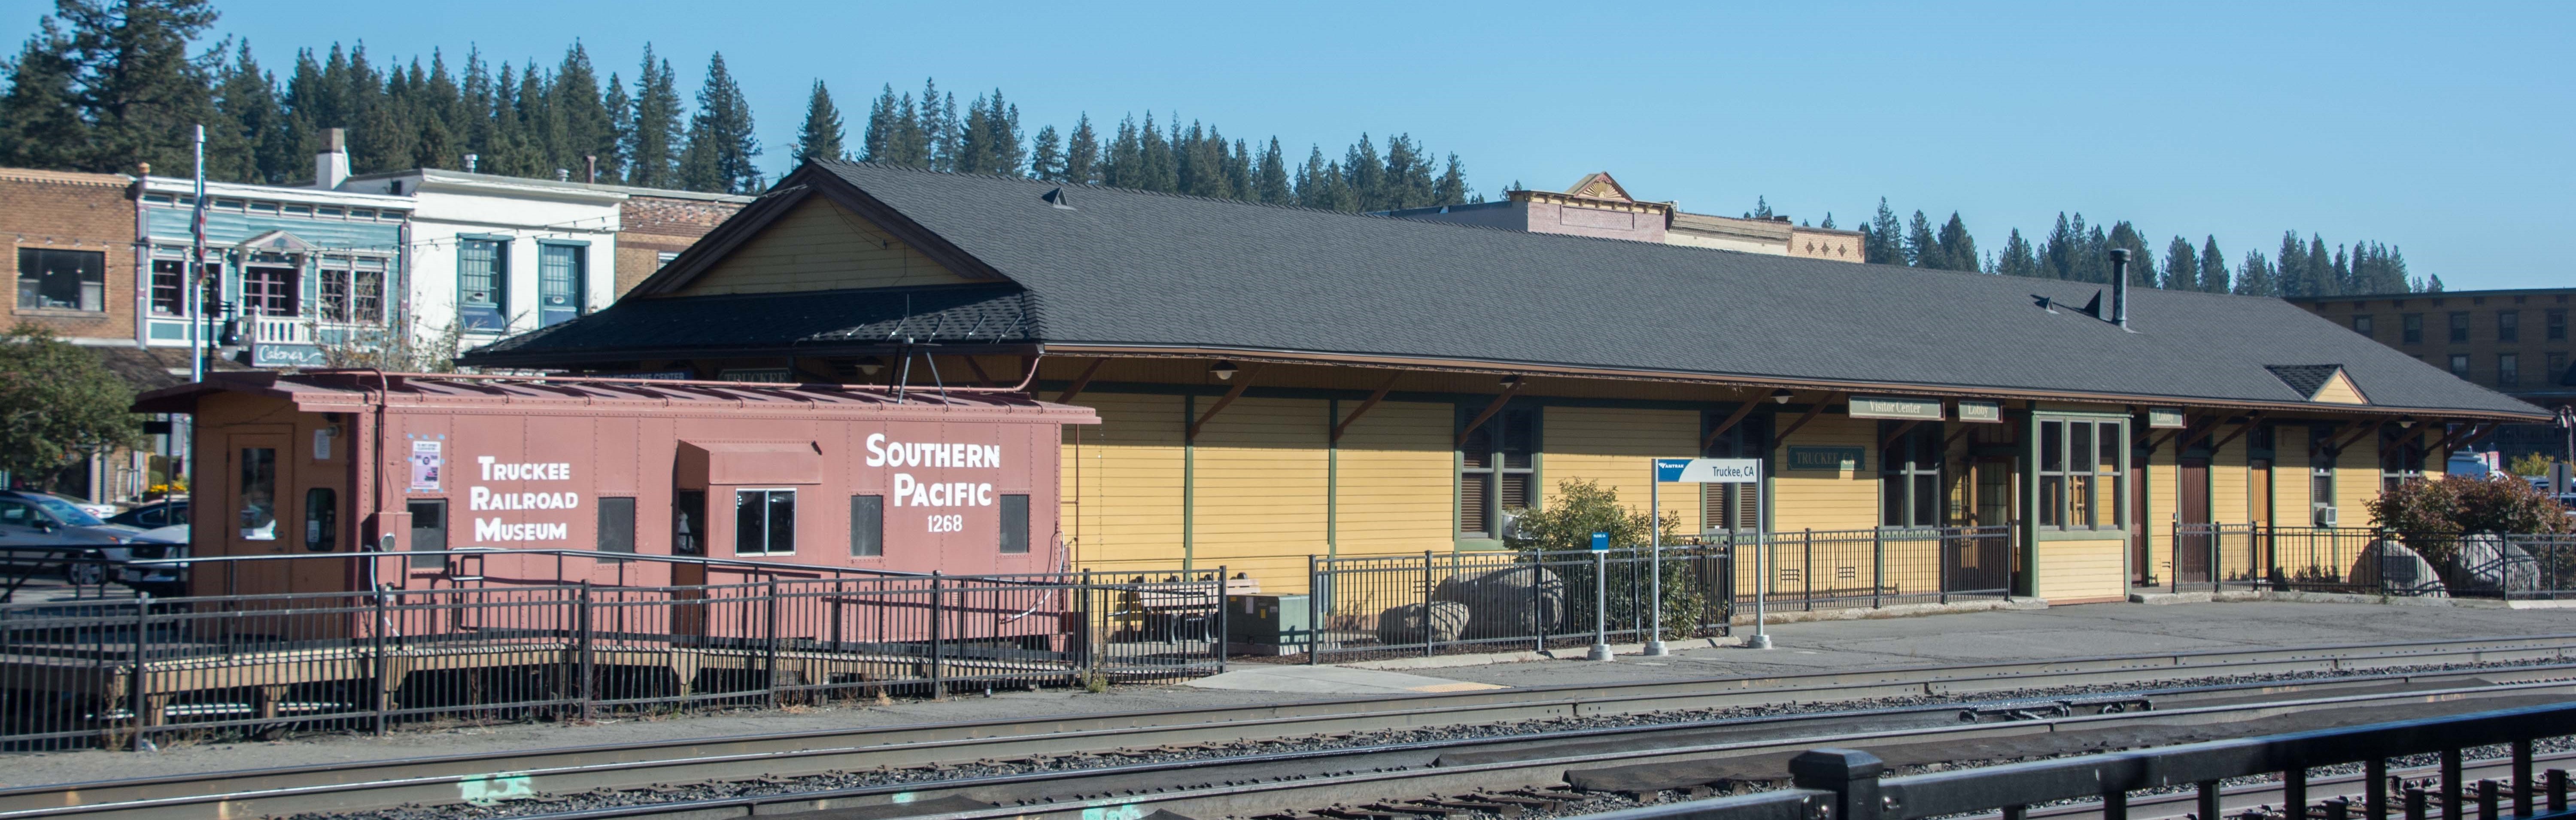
(1843, 784)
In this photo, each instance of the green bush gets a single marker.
(58, 404)
(1582, 508)
(2530, 464)
(2430, 516)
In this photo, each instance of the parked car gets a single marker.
(157, 514)
(95, 509)
(160, 580)
(40, 533)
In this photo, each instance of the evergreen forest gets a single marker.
(111, 85)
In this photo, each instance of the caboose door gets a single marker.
(257, 470)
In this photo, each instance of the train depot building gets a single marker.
(1274, 383)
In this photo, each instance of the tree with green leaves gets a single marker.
(1882, 241)
(58, 404)
(1922, 249)
(653, 135)
(1451, 188)
(1957, 250)
(1270, 183)
(40, 119)
(2018, 257)
(820, 138)
(1046, 155)
(1082, 154)
(2256, 276)
(721, 139)
(137, 86)
(2213, 268)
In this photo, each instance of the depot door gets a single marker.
(2191, 507)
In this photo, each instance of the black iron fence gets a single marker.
(1494, 601)
(131, 672)
(1843, 784)
(2371, 561)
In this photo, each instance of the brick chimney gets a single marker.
(331, 167)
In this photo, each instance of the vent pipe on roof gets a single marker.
(2120, 287)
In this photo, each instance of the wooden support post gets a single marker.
(1812, 410)
(1081, 381)
(818, 370)
(1741, 410)
(1490, 410)
(2251, 419)
(981, 380)
(1362, 410)
(1242, 379)
(2359, 429)
(2194, 433)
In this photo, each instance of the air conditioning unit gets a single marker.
(2326, 516)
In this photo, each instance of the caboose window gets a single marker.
(1015, 524)
(867, 525)
(764, 522)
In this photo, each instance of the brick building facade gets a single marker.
(72, 260)
(657, 224)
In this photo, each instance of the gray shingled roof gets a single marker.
(1137, 268)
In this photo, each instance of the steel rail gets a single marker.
(1210, 799)
(444, 779)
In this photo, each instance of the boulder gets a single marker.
(2488, 563)
(1404, 624)
(2399, 569)
(1501, 604)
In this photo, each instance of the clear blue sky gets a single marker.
(2443, 129)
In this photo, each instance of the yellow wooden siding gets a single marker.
(2357, 481)
(1259, 491)
(1616, 447)
(2228, 479)
(1123, 484)
(2340, 390)
(1397, 482)
(818, 245)
(1816, 499)
(2164, 497)
(2081, 570)
(2290, 476)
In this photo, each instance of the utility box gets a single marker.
(1266, 624)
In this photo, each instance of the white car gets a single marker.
(161, 580)
(93, 508)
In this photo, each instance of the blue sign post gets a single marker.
(1600, 597)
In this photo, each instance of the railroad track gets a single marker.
(1375, 783)
(449, 780)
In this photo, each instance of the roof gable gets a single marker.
(816, 244)
(1599, 185)
(2326, 383)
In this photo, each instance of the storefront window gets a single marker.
(1910, 477)
(50, 279)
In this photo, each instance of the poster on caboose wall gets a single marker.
(427, 459)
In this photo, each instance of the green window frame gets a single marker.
(483, 282)
(1497, 470)
(2083, 473)
(1909, 469)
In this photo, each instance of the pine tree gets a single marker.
(1367, 175)
(2182, 266)
(249, 121)
(2018, 258)
(2142, 264)
(820, 138)
(2291, 269)
(1046, 156)
(2256, 277)
(612, 160)
(721, 139)
(1761, 208)
(1828, 224)
(653, 135)
(2061, 254)
(1082, 154)
(989, 139)
(1157, 168)
(1320, 184)
(1270, 184)
(1452, 187)
(1922, 249)
(589, 128)
(1958, 250)
(134, 81)
(1408, 177)
(1882, 240)
(2213, 268)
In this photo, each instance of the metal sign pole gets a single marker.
(1655, 502)
(1600, 597)
(1761, 586)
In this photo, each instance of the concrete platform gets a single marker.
(1332, 680)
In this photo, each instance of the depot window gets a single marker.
(2083, 473)
(2413, 327)
(2508, 325)
(2459, 326)
(1497, 471)
(2361, 324)
(353, 289)
(50, 279)
(1910, 475)
(764, 522)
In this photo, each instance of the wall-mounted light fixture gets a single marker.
(1223, 370)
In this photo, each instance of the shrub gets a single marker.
(1582, 508)
(2431, 515)
(2530, 464)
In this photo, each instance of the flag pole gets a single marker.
(196, 267)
